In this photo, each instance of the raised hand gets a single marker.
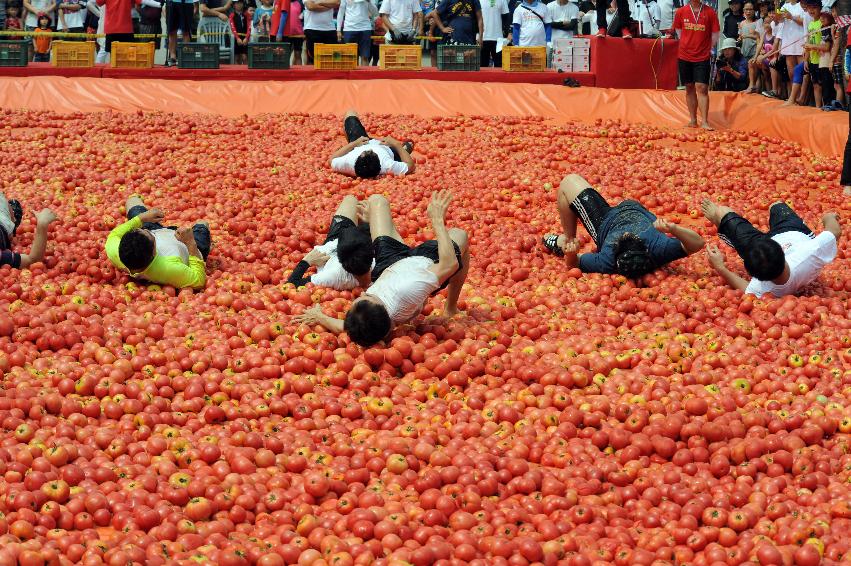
(439, 205)
(45, 217)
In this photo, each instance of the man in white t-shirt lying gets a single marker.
(782, 261)
(367, 158)
(404, 277)
(345, 259)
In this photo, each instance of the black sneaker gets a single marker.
(171, 62)
(17, 214)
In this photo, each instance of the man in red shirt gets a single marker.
(697, 27)
(118, 25)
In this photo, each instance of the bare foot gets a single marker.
(449, 312)
(707, 127)
(692, 124)
(710, 211)
(789, 103)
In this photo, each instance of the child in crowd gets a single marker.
(41, 39)
(241, 28)
(13, 20)
(379, 30)
(836, 66)
(817, 46)
(764, 64)
(262, 21)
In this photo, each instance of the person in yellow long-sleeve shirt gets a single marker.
(159, 254)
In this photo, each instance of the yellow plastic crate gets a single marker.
(73, 53)
(524, 58)
(132, 55)
(335, 57)
(401, 57)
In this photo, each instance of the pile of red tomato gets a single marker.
(563, 419)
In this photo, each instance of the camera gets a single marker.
(721, 62)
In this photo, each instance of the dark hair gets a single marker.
(367, 165)
(136, 251)
(764, 259)
(632, 259)
(354, 250)
(367, 323)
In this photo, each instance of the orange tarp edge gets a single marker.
(821, 132)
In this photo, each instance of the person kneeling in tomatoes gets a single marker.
(345, 259)
(782, 261)
(11, 215)
(165, 255)
(369, 158)
(630, 239)
(404, 277)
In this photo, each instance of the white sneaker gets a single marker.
(102, 57)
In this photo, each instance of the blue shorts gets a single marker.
(363, 40)
(201, 232)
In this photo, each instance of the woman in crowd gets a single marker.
(732, 68)
(749, 31)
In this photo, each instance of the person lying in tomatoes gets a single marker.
(11, 215)
(369, 158)
(630, 240)
(344, 260)
(164, 255)
(404, 277)
(781, 261)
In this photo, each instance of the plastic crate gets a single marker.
(269, 55)
(459, 57)
(401, 57)
(14, 53)
(73, 53)
(132, 55)
(335, 57)
(524, 58)
(198, 56)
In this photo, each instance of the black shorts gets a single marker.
(691, 73)
(837, 73)
(390, 250)
(180, 16)
(312, 37)
(154, 28)
(782, 69)
(354, 130)
(739, 233)
(295, 42)
(340, 223)
(119, 37)
(591, 208)
(201, 232)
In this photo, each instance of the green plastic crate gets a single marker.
(14, 53)
(198, 56)
(458, 57)
(269, 55)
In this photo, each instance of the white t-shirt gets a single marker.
(559, 13)
(404, 287)
(666, 14)
(72, 19)
(332, 274)
(492, 11)
(356, 15)
(346, 163)
(532, 30)
(319, 21)
(401, 14)
(792, 35)
(40, 6)
(806, 257)
(169, 246)
(648, 15)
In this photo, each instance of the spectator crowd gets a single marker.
(790, 51)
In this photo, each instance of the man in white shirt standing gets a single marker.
(368, 158)
(648, 15)
(355, 20)
(494, 20)
(565, 18)
(404, 277)
(782, 261)
(344, 260)
(319, 24)
(72, 13)
(403, 20)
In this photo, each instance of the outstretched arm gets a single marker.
(447, 263)
(43, 220)
(716, 260)
(314, 315)
(692, 241)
